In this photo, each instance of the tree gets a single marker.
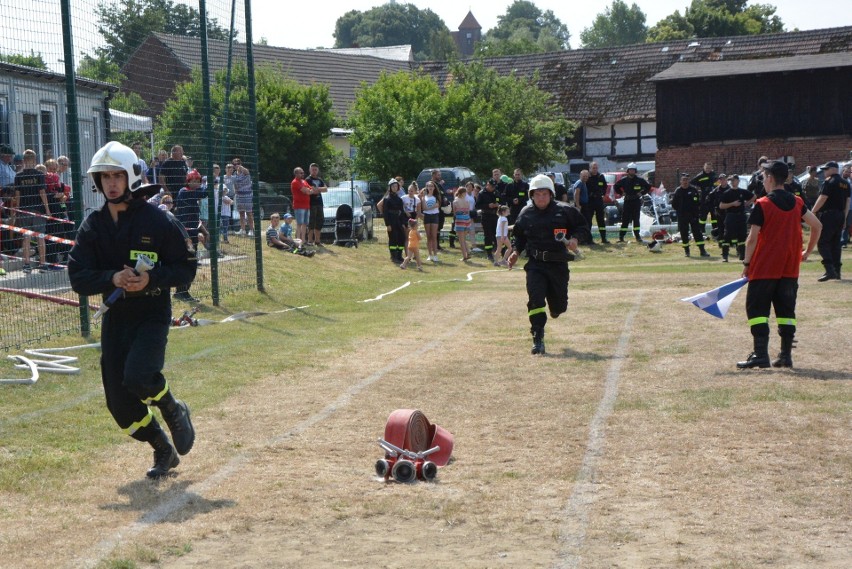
(32, 60)
(404, 123)
(293, 122)
(396, 24)
(718, 18)
(617, 25)
(524, 28)
(125, 24)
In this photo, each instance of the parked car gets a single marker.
(361, 206)
(274, 198)
(453, 177)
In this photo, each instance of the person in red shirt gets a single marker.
(301, 191)
(771, 264)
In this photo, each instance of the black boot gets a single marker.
(603, 236)
(165, 457)
(703, 252)
(830, 273)
(741, 252)
(785, 356)
(837, 269)
(538, 340)
(686, 250)
(176, 415)
(725, 250)
(759, 357)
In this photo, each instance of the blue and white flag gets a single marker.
(718, 301)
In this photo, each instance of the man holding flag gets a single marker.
(771, 264)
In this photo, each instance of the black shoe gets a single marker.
(165, 457)
(176, 415)
(605, 241)
(753, 361)
(185, 297)
(783, 360)
(538, 342)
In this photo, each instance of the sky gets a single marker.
(269, 16)
(35, 25)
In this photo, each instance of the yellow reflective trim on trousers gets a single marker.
(140, 424)
(158, 396)
(758, 320)
(536, 311)
(786, 321)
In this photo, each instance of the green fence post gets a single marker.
(72, 122)
(258, 241)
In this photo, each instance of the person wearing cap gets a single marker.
(831, 207)
(687, 203)
(632, 187)
(773, 255)
(597, 185)
(188, 212)
(135, 329)
(393, 212)
(18, 163)
(548, 232)
(719, 215)
(732, 203)
(792, 185)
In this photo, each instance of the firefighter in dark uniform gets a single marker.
(687, 203)
(831, 207)
(393, 213)
(135, 330)
(596, 184)
(793, 185)
(716, 199)
(487, 203)
(632, 187)
(755, 184)
(705, 181)
(517, 194)
(548, 231)
(733, 202)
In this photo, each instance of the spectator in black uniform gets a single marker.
(396, 221)
(596, 185)
(705, 181)
(561, 191)
(31, 196)
(687, 203)
(715, 198)
(172, 174)
(487, 203)
(581, 202)
(755, 185)
(792, 185)
(517, 194)
(632, 187)
(135, 330)
(547, 230)
(188, 212)
(831, 207)
(733, 202)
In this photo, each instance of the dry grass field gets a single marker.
(633, 443)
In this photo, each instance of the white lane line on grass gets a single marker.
(468, 278)
(195, 492)
(384, 294)
(576, 512)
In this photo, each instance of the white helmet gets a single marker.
(632, 165)
(116, 156)
(542, 182)
(393, 181)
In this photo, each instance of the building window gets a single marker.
(40, 132)
(621, 140)
(4, 121)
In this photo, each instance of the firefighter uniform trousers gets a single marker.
(133, 342)
(547, 288)
(687, 222)
(762, 295)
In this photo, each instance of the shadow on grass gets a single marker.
(158, 503)
(582, 356)
(797, 372)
